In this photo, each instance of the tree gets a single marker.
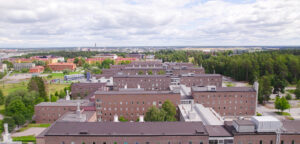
(53, 98)
(265, 89)
(38, 84)
(281, 104)
(96, 71)
(66, 71)
(170, 110)
(288, 97)
(15, 107)
(161, 72)
(155, 114)
(2, 98)
(9, 64)
(19, 119)
(86, 66)
(150, 72)
(11, 124)
(47, 69)
(297, 91)
(141, 72)
(122, 119)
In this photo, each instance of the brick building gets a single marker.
(62, 66)
(86, 90)
(36, 69)
(162, 82)
(130, 103)
(246, 132)
(227, 101)
(124, 133)
(49, 112)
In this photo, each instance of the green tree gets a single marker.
(140, 72)
(11, 124)
(288, 97)
(14, 107)
(19, 119)
(66, 71)
(47, 69)
(9, 64)
(53, 98)
(150, 72)
(2, 98)
(170, 110)
(265, 89)
(161, 72)
(38, 84)
(297, 91)
(281, 104)
(122, 119)
(155, 114)
(96, 71)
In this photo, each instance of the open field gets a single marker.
(52, 88)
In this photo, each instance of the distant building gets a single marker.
(20, 66)
(3, 67)
(62, 66)
(36, 69)
(86, 90)
(74, 77)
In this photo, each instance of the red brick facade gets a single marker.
(62, 66)
(130, 105)
(238, 103)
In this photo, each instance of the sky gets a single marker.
(62, 23)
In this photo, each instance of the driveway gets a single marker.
(31, 131)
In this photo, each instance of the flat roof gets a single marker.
(126, 128)
(291, 126)
(217, 131)
(63, 102)
(134, 92)
(224, 89)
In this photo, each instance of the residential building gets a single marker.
(62, 66)
(20, 66)
(36, 69)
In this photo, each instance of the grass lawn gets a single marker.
(33, 125)
(30, 138)
(283, 113)
(10, 87)
(229, 84)
(52, 88)
(60, 75)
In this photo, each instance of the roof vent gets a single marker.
(83, 132)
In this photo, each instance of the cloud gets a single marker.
(30, 23)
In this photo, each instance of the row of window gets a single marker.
(190, 142)
(261, 142)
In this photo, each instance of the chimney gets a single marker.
(141, 118)
(78, 112)
(116, 118)
(68, 96)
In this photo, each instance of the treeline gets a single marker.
(273, 69)
(19, 104)
(70, 54)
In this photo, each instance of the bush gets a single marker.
(288, 97)
(258, 114)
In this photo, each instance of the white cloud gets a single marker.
(30, 23)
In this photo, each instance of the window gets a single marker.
(104, 142)
(190, 142)
(282, 142)
(260, 142)
(293, 142)
(271, 142)
(62, 142)
(201, 142)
